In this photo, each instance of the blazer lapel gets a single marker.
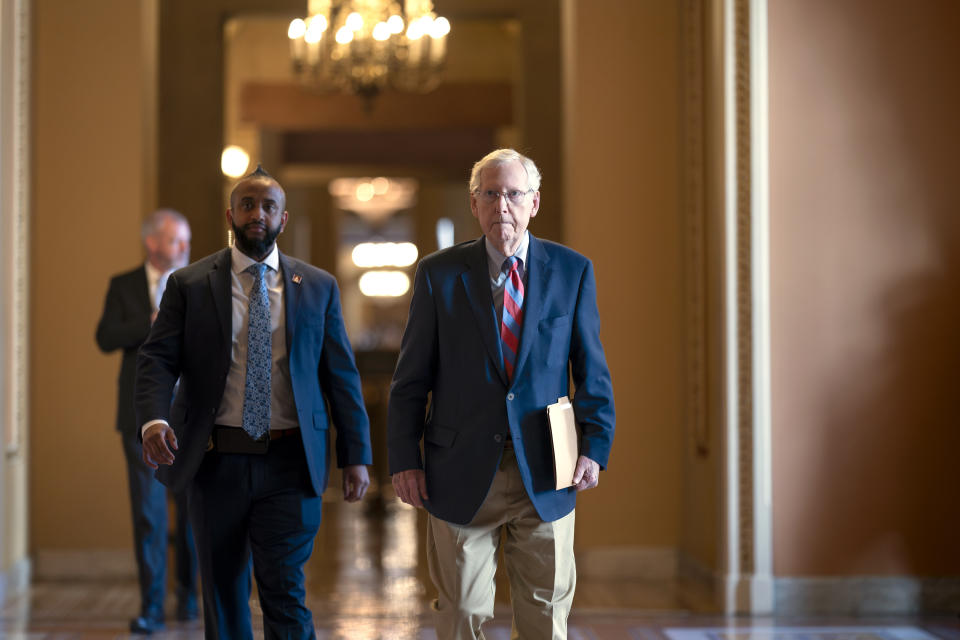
(220, 287)
(292, 291)
(476, 282)
(538, 278)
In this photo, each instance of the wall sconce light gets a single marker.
(234, 161)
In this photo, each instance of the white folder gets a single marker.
(566, 442)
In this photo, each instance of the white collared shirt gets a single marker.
(154, 276)
(283, 411)
(498, 277)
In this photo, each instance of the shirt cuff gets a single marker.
(147, 425)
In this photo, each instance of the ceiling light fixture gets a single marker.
(365, 46)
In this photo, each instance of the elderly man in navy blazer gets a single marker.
(497, 328)
(257, 341)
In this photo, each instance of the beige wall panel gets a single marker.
(87, 190)
(865, 255)
(623, 211)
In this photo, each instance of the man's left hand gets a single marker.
(355, 482)
(586, 475)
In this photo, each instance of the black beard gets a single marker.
(255, 248)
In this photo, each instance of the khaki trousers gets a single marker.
(539, 562)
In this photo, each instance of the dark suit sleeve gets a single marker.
(593, 399)
(340, 382)
(413, 378)
(158, 363)
(117, 328)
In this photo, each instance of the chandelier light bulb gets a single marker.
(381, 32)
(344, 35)
(354, 21)
(234, 161)
(318, 24)
(439, 28)
(416, 29)
(365, 192)
(395, 23)
(296, 29)
(380, 185)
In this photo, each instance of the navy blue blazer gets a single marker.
(451, 350)
(191, 339)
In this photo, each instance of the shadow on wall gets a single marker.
(879, 339)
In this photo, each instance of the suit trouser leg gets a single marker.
(148, 508)
(284, 520)
(539, 558)
(262, 504)
(185, 552)
(543, 575)
(219, 500)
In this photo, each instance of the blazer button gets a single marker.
(497, 438)
(510, 396)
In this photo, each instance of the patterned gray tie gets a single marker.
(256, 393)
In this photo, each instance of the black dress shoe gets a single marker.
(145, 625)
(187, 611)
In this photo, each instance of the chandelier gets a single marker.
(365, 46)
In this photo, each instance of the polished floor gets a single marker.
(367, 580)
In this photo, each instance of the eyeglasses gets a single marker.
(514, 196)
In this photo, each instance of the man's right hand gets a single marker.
(411, 486)
(159, 443)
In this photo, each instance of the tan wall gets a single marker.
(87, 205)
(865, 273)
(622, 189)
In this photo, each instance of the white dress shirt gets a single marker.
(154, 279)
(283, 411)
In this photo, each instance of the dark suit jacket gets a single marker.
(192, 336)
(125, 324)
(451, 348)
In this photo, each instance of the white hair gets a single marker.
(155, 220)
(501, 157)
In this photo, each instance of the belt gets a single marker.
(276, 434)
(227, 439)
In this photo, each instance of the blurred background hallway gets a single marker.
(766, 190)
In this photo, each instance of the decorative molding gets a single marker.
(694, 215)
(16, 579)
(628, 563)
(747, 579)
(16, 195)
(867, 595)
(744, 279)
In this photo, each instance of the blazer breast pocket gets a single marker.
(555, 336)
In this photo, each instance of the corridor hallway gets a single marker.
(368, 580)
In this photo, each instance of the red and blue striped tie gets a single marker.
(512, 314)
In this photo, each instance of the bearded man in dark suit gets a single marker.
(258, 343)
